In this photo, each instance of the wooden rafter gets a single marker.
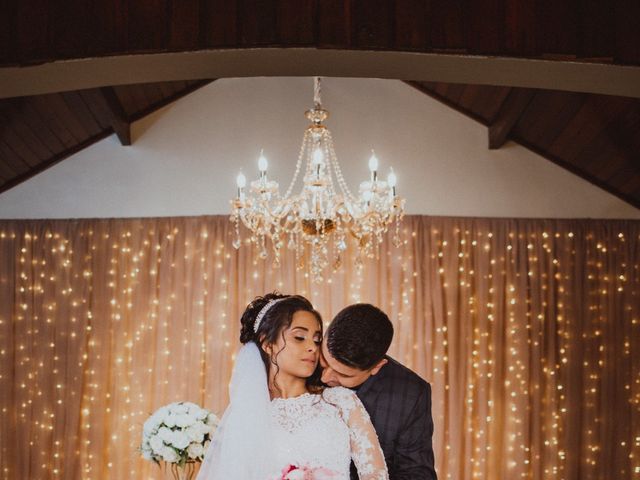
(38, 132)
(592, 136)
(116, 115)
(510, 112)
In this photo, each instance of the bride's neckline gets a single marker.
(297, 397)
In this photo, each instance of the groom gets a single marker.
(398, 401)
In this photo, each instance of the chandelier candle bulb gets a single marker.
(262, 165)
(391, 181)
(373, 166)
(318, 158)
(366, 195)
(322, 215)
(241, 181)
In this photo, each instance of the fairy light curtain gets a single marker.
(528, 331)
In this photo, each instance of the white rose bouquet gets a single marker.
(178, 433)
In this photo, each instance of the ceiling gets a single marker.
(594, 136)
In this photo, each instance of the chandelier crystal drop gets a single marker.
(320, 218)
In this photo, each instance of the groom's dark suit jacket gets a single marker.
(399, 404)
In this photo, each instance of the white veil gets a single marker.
(240, 445)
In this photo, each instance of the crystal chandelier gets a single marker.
(321, 218)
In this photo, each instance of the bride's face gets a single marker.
(297, 349)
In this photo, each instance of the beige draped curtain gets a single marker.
(527, 330)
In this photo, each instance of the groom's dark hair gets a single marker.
(359, 336)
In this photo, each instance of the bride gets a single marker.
(281, 423)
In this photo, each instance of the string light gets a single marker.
(526, 331)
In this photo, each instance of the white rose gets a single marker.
(191, 406)
(200, 414)
(198, 430)
(169, 455)
(170, 420)
(195, 450)
(195, 433)
(212, 419)
(165, 434)
(184, 420)
(209, 430)
(179, 408)
(157, 445)
(147, 453)
(180, 440)
(161, 412)
(149, 426)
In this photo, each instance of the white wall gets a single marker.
(185, 157)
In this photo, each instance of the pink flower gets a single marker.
(294, 472)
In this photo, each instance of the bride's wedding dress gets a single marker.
(316, 434)
(323, 433)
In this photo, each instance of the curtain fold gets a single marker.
(527, 330)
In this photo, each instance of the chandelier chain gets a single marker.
(317, 102)
(336, 167)
(298, 166)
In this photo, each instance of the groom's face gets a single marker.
(335, 373)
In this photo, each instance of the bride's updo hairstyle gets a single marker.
(273, 324)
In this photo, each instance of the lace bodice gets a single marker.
(324, 432)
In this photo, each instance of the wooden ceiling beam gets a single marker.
(510, 112)
(34, 32)
(430, 89)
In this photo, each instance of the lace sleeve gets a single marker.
(365, 447)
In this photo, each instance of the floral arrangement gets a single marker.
(178, 433)
(295, 472)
